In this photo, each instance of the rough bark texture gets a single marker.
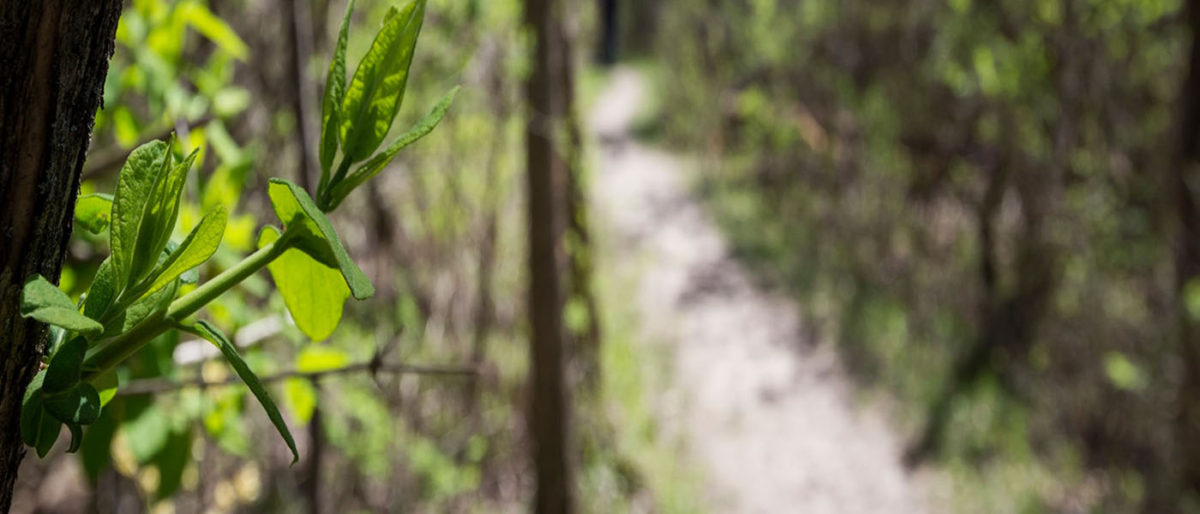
(548, 416)
(54, 62)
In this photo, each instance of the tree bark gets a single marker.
(55, 61)
(548, 415)
(608, 32)
(1187, 259)
(298, 27)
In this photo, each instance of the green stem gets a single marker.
(342, 169)
(121, 347)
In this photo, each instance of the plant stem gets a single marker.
(339, 174)
(124, 345)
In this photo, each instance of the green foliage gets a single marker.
(214, 335)
(380, 161)
(42, 301)
(134, 297)
(314, 234)
(357, 117)
(374, 95)
(335, 93)
(928, 175)
(314, 293)
(92, 212)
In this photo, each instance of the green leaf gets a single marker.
(335, 92)
(79, 405)
(47, 433)
(172, 460)
(92, 212)
(200, 244)
(31, 409)
(211, 333)
(151, 306)
(44, 302)
(135, 186)
(301, 399)
(101, 296)
(316, 237)
(158, 222)
(313, 292)
(315, 359)
(376, 164)
(146, 434)
(214, 28)
(96, 452)
(106, 384)
(102, 291)
(38, 429)
(76, 436)
(66, 366)
(377, 89)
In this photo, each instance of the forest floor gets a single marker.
(761, 406)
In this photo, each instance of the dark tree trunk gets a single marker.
(297, 21)
(54, 62)
(1188, 259)
(548, 415)
(608, 32)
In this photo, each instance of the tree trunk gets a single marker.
(1188, 260)
(298, 27)
(55, 59)
(548, 416)
(608, 32)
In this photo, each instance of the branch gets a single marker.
(108, 159)
(156, 386)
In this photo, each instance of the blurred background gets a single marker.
(811, 256)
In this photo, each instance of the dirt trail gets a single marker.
(768, 413)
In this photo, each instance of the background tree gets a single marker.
(547, 103)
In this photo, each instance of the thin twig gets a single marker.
(155, 386)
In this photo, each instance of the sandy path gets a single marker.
(769, 414)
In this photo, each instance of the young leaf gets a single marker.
(66, 366)
(101, 296)
(313, 292)
(79, 405)
(38, 429)
(148, 307)
(135, 184)
(106, 385)
(92, 212)
(102, 292)
(44, 302)
(207, 331)
(76, 436)
(293, 205)
(47, 432)
(335, 92)
(200, 244)
(376, 164)
(158, 223)
(377, 89)
(31, 409)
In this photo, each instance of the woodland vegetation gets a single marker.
(986, 207)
